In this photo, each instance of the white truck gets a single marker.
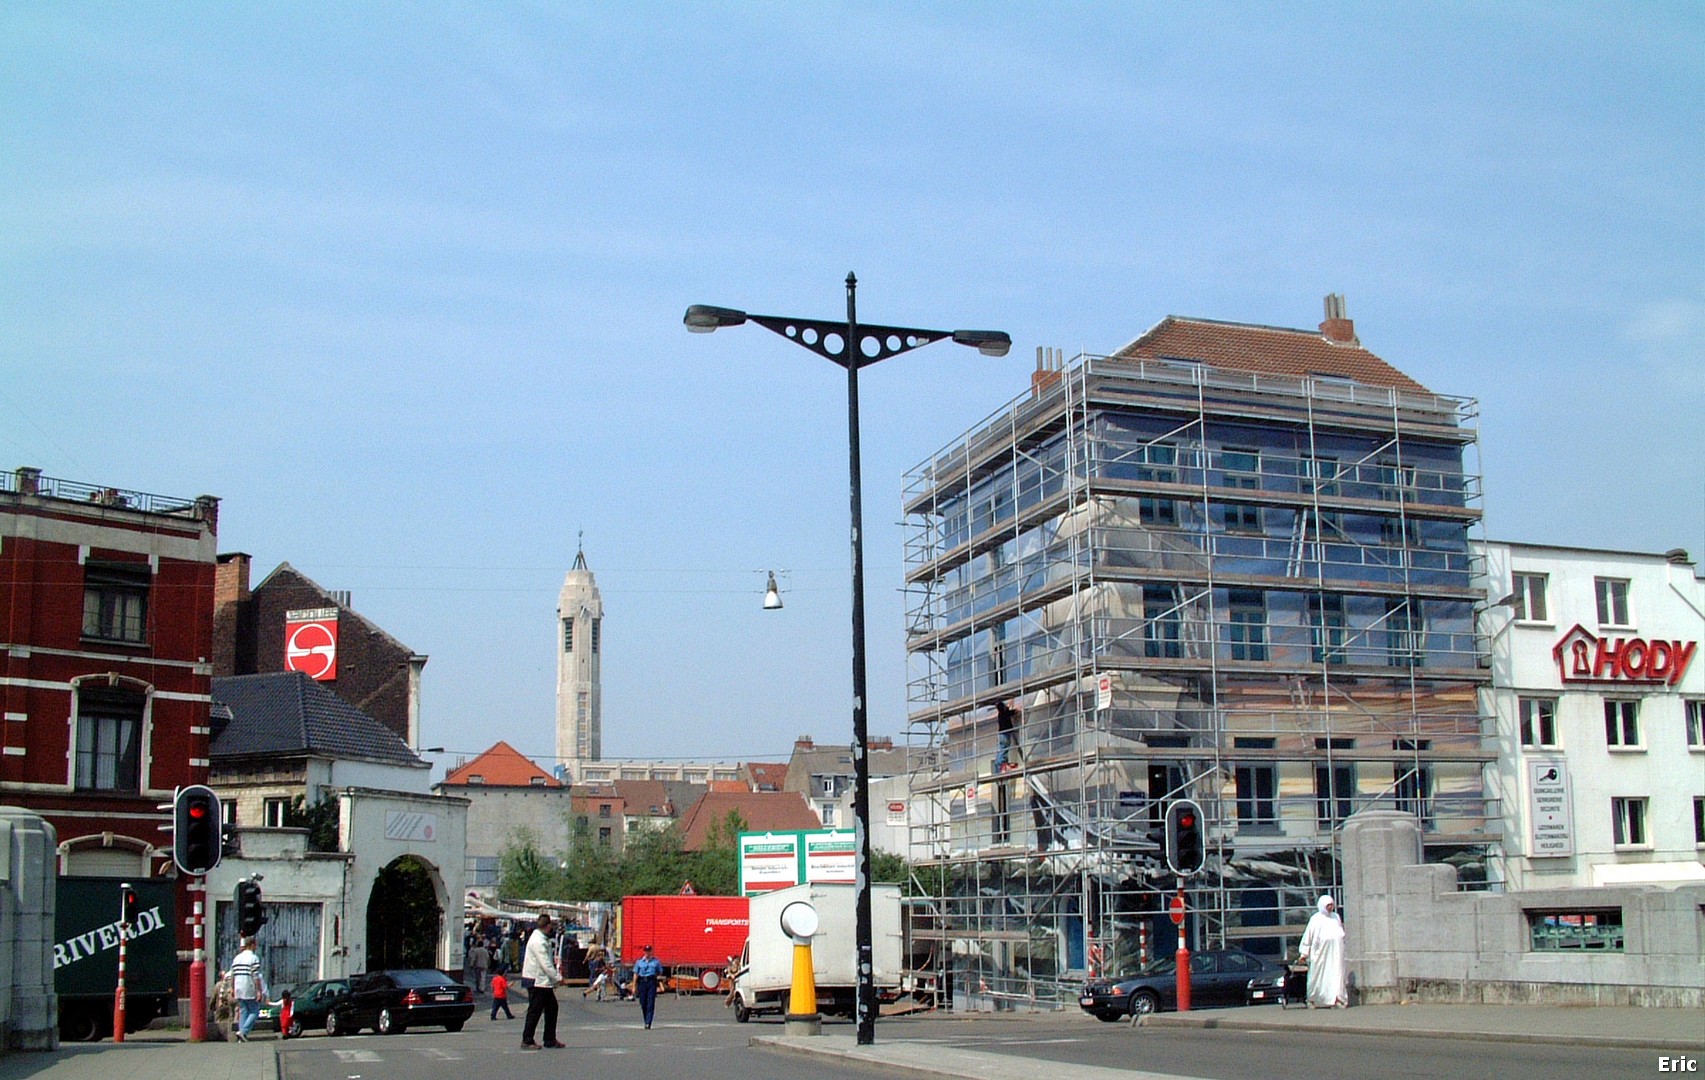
(764, 976)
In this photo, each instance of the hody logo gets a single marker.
(101, 938)
(1583, 656)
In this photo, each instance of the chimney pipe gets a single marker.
(1338, 328)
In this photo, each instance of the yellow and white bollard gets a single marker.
(800, 920)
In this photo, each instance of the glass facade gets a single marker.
(1252, 591)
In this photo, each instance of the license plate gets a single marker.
(1086, 1001)
(443, 997)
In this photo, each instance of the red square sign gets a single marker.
(310, 643)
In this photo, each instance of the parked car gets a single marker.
(308, 1011)
(391, 1002)
(1217, 977)
(1289, 987)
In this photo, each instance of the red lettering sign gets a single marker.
(1583, 656)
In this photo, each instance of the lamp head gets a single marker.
(703, 318)
(772, 595)
(987, 342)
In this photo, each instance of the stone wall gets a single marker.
(1412, 936)
(29, 1010)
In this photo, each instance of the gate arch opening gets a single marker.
(404, 916)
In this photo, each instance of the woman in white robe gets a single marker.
(1323, 951)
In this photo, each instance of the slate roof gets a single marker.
(501, 766)
(763, 811)
(1265, 350)
(289, 713)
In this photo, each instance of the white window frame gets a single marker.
(1693, 716)
(1616, 728)
(1630, 822)
(1699, 821)
(1530, 597)
(1607, 601)
(1531, 729)
(273, 811)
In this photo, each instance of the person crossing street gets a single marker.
(645, 976)
(539, 966)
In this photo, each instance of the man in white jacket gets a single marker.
(538, 967)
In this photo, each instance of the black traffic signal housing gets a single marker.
(130, 905)
(250, 917)
(1186, 840)
(197, 832)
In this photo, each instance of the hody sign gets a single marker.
(1583, 656)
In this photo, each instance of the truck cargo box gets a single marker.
(85, 955)
(693, 932)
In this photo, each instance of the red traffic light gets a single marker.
(197, 810)
(1187, 820)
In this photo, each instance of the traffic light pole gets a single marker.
(123, 942)
(1183, 958)
(198, 973)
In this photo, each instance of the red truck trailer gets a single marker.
(694, 937)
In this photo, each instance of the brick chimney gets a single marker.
(1049, 364)
(1338, 328)
(804, 742)
(230, 579)
(882, 742)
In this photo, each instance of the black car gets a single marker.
(391, 1002)
(311, 1002)
(1217, 977)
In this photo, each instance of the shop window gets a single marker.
(1538, 722)
(1529, 598)
(1612, 595)
(109, 740)
(115, 602)
(1622, 723)
(1628, 821)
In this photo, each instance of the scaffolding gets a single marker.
(1251, 590)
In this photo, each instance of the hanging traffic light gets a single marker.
(250, 917)
(1186, 845)
(196, 830)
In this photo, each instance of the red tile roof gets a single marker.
(762, 811)
(767, 775)
(1266, 350)
(502, 766)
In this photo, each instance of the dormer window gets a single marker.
(475, 778)
(537, 781)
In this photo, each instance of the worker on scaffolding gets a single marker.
(1006, 724)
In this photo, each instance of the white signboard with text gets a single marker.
(1550, 812)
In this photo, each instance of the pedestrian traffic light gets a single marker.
(250, 917)
(1186, 848)
(129, 905)
(196, 833)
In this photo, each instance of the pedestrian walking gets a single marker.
(479, 961)
(248, 986)
(540, 967)
(600, 969)
(1323, 952)
(645, 975)
(500, 993)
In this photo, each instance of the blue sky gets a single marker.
(403, 286)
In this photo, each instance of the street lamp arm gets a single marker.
(827, 338)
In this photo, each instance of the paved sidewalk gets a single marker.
(1583, 1025)
(148, 1055)
(1646, 1029)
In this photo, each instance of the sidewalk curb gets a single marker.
(1608, 1042)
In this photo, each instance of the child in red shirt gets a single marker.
(500, 994)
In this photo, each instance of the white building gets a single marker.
(1599, 696)
(579, 680)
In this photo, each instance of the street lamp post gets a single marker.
(853, 346)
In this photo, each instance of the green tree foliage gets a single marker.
(403, 917)
(320, 819)
(650, 863)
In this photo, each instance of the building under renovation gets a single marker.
(1229, 563)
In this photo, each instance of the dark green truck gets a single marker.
(85, 956)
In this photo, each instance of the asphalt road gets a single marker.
(698, 1037)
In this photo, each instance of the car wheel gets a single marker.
(295, 1028)
(454, 1025)
(741, 1012)
(337, 1025)
(1144, 1002)
(1106, 1017)
(388, 1024)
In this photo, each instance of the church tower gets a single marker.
(579, 708)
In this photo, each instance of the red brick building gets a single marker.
(253, 635)
(105, 667)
